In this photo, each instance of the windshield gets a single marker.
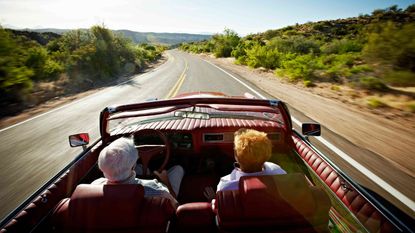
(126, 120)
(345, 65)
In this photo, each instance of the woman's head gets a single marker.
(252, 149)
(118, 159)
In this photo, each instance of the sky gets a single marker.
(191, 16)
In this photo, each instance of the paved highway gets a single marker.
(33, 151)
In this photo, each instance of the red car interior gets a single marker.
(281, 203)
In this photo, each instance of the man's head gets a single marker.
(252, 149)
(118, 159)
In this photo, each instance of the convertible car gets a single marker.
(196, 130)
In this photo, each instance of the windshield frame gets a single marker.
(153, 108)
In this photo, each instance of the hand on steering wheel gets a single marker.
(147, 152)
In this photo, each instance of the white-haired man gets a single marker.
(118, 161)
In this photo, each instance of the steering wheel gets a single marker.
(147, 152)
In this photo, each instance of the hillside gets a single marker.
(37, 66)
(366, 60)
(40, 37)
(350, 27)
(144, 37)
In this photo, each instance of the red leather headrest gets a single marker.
(269, 202)
(103, 206)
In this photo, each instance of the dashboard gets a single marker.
(197, 141)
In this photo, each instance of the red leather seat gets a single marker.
(281, 203)
(195, 217)
(112, 208)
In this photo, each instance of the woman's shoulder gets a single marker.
(273, 168)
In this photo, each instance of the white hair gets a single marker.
(117, 160)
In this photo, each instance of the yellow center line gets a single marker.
(178, 84)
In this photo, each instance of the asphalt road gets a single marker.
(33, 151)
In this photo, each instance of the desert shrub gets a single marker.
(372, 83)
(360, 69)
(339, 65)
(400, 78)
(295, 44)
(335, 88)
(308, 83)
(15, 76)
(52, 69)
(393, 45)
(342, 46)
(36, 60)
(301, 67)
(374, 102)
(222, 50)
(411, 107)
(99, 54)
(263, 56)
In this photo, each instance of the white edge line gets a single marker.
(387, 187)
(244, 84)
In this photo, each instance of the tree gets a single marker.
(225, 43)
(15, 77)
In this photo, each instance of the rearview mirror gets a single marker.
(192, 115)
(311, 129)
(81, 139)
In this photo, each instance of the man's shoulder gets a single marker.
(101, 180)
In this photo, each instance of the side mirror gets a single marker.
(311, 129)
(81, 139)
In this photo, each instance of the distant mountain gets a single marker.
(162, 38)
(54, 30)
(144, 37)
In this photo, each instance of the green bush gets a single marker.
(400, 78)
(15, 76)
(301, 67)
(52, 69)
(375, 103)
(339, 65)
(36, 60)
(360, 69)
(225, 43)
(411, 107)
(393, 45)
(263, 56)
(295, 44)
(372, 83)
(308, 83)
(96, 54)
(335, 88)
(342, 46)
